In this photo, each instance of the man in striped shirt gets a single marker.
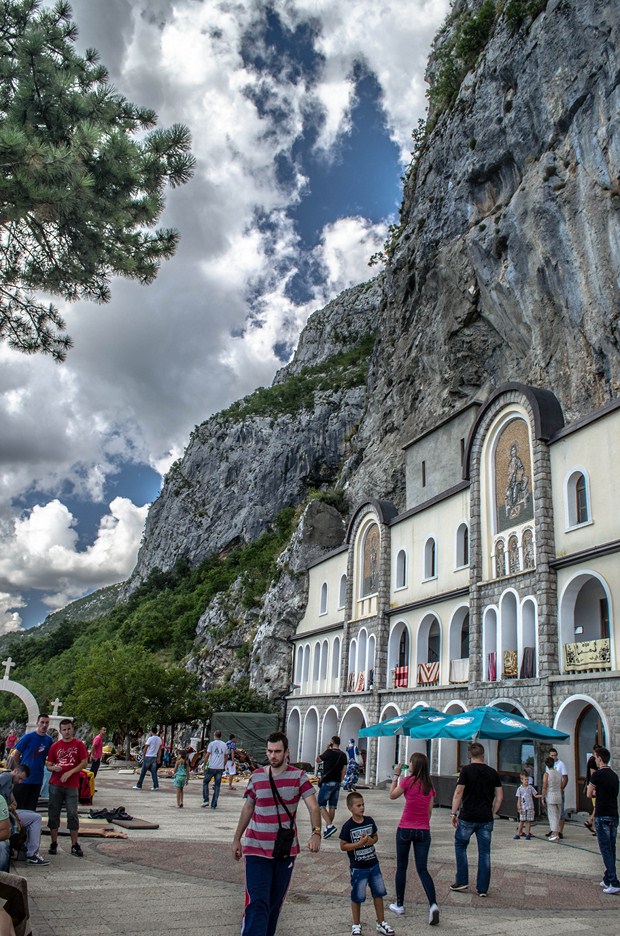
(267, 878)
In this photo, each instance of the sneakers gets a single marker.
(554, 838)
(548, 834)
(356, 929)
(603, 884)
(397, 908)
(53, 849)
(36, 859)
(516, 837)
(136, 787)
(458, 887)
(608, 890)
(433, 915)
(387, 930)
(528, 838)
(329, 831)
(481, 894)
(77, 851)
(205, 804)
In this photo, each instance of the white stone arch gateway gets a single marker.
(15, 688)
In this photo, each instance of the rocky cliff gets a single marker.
(268, 451)
(507, 261)
(505, 266)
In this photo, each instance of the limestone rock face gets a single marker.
(320, 529)
(238, 472)
(507, 265)
(224, 635)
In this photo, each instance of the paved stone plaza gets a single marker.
(181, 877)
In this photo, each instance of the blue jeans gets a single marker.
(217, 780)
(329, 794)
(606, 832)
(362, 878)
(483, 832)
(149, 763)
(421, 841)
(5, 855)
(266, 883)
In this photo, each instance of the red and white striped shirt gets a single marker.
(292, 785)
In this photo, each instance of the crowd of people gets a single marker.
(266, 834)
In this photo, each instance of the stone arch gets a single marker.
(310, 740)
(32, 706)
(448, 755)
(329, 727)
(353, 719)
(389, 749)
(293, 732)
(566, 720)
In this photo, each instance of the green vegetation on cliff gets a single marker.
(153, 631)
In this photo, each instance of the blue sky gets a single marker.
(301, 113)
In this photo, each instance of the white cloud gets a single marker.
(155, 361)
(43, 554)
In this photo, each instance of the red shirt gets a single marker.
(97, 747)
(68, 754)
(416, 812)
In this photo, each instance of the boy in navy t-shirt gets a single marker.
(358, 838)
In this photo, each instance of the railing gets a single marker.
(587, 656)
(459, 670)
(428, 674)
(399, 677)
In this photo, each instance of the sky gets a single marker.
(301, 114)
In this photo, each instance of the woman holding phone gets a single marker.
(414, 829)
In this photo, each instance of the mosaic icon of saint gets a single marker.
(517, 486)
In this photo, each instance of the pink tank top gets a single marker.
(416, 812)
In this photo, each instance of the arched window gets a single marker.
(462, 546)
(430, 559)
(527, 548)
(401, 569)
(513, 555)
(500, 559)
(403, 648)
(342, 592)
(323, 607)
(577, 499)
(370, 561)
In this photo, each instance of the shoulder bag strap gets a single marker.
(278, 799)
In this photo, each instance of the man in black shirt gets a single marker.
(334, 768)
(477, 797)
(604, 786)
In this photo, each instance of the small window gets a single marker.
(342, 594)
(581, 500)
(323, 608)
(430, 559)
(423, 474)
(462, 546)
(577, 499)
(401, 569)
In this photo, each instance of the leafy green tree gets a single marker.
(129, 690)
(81, 182)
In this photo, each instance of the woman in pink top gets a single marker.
(414, 829)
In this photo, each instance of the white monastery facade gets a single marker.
(499, 584)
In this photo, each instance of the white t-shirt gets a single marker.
(153, 745)
(218, 755)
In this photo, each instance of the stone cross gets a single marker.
(57, 704)
(7, 667)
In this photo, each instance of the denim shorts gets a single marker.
(361, 878)
(328, 794)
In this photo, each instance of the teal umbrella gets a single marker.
(401, 724)
(487, 721)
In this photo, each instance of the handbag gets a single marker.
(285, 837)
